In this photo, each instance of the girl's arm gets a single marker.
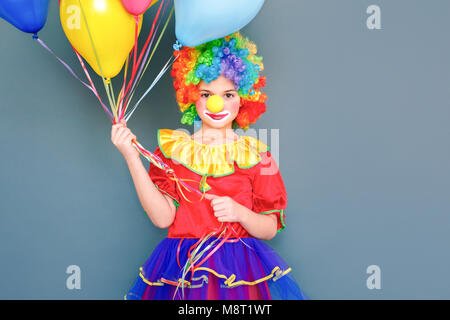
(159, 207)
(258, 225)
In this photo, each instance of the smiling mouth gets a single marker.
(217, 116)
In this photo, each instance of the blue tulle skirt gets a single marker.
(247, 269)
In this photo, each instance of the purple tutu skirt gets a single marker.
(247, 269)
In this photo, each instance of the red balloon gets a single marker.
(137, 7)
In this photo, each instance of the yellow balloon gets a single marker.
(111, 27)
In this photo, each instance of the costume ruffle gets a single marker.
(207, 159)
(242, 270)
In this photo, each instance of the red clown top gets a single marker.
(243, 170)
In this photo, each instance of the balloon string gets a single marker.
(113, 105)
(111, 88)
(120, 103)
(164, 69)
(157, 43)
(90, 87)
(141, 67)
(92, 84)
(202, 194)
(105, 81)
(42, 43)
(227, 235)
(133, 73)
(161, 73)
(154, 159)
(151, 32)
(121, 94)
(190, 264)
(136, 29)
(126, 63)
(141, 73)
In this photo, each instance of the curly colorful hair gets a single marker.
(235, 58)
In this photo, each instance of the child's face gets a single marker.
(213, 114)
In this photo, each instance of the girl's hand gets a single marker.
(121, 137)
(225, 208)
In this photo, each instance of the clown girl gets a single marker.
(213, 249)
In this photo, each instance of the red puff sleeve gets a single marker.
(269, 192)
(162, 181)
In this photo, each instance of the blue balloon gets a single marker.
(200, 21)
(26, 15)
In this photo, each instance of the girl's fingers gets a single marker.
(125, 137)
(220, 206)
(121, 136)
(117, 125)
(226, 219)
(114, 129)
(217, 201)
(116, 136)
(211, 196)
(129, 138)
(122, 132)
(220, 213)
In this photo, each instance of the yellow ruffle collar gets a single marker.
(210, 160)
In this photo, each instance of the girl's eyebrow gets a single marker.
(206, 90)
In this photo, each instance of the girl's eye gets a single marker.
(229, 95)
(205, 95)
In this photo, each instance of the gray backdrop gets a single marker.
(363, 122)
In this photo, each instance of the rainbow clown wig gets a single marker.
(235, 58)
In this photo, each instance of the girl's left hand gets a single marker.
(225, 208)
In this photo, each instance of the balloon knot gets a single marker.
(177, 46)
(35, 36)
(107, 80)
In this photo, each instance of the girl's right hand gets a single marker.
(121, 137)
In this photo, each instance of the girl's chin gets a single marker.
(217, 124)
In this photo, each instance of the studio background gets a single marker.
(363, 119)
